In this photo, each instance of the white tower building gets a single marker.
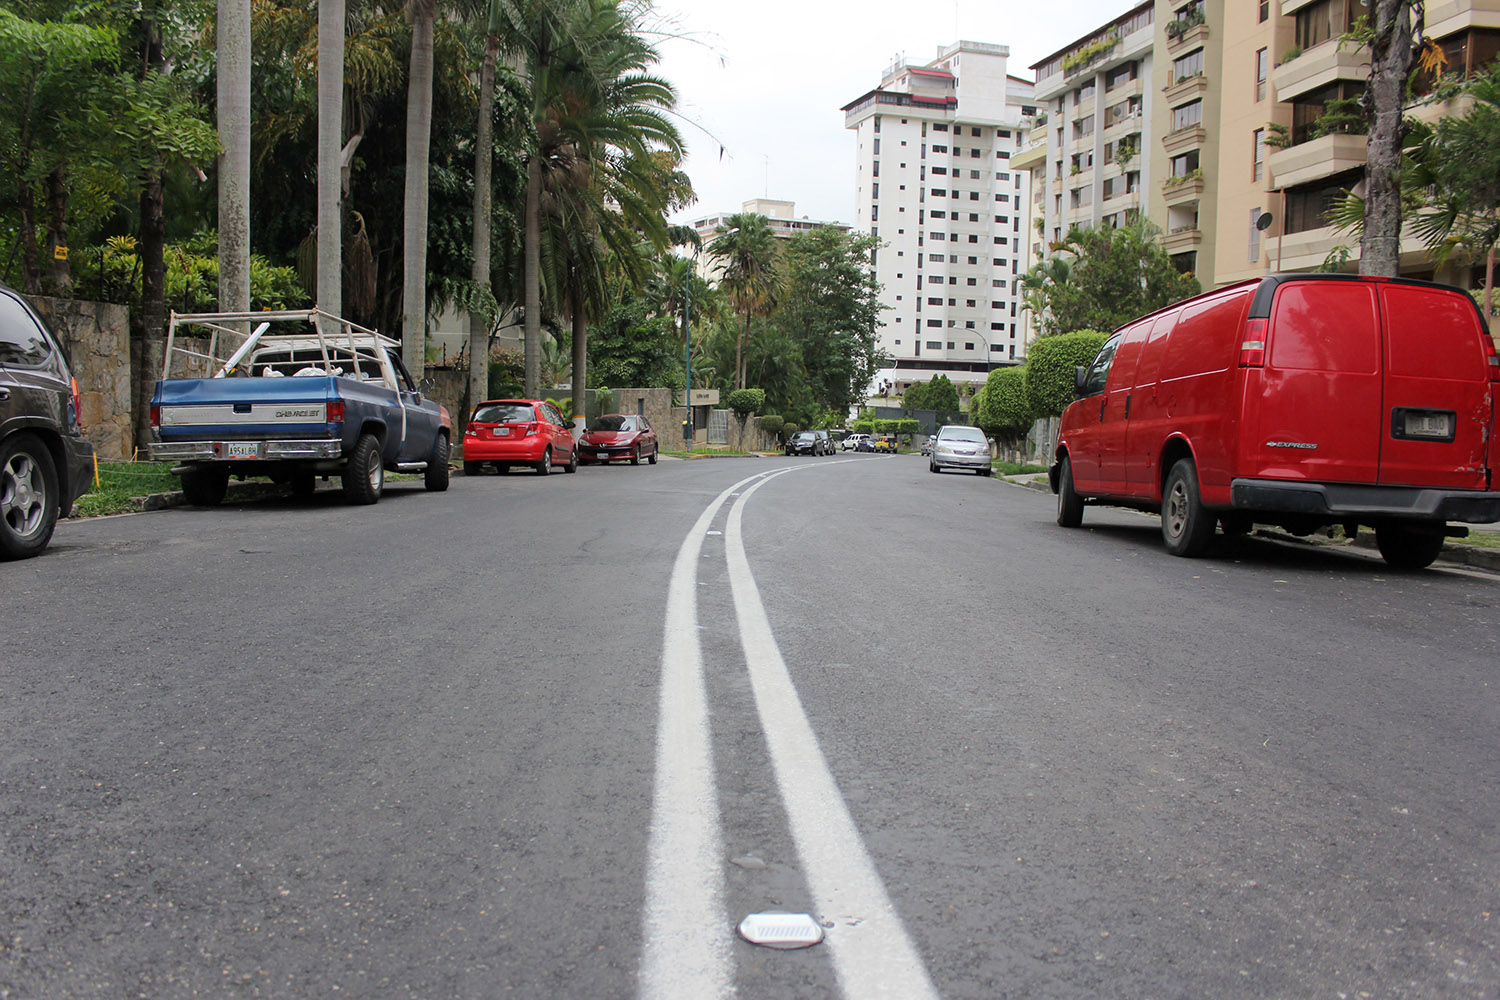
(933, 181)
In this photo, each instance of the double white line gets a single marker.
(688, 953)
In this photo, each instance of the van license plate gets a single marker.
(1429, 425)
(240, 449)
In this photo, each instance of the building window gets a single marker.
(1254, 236)
(1265, 10)
(1188, 66)
(1262, 70)
(934, 302)
(1258, 170)
(940, 149)
(1187, 116)
(950, 345)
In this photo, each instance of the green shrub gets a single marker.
(789, 429)
(907, 426)
(862, 427)
(772, 423)
(1006, 410)
(746, 401)
(1049, 368)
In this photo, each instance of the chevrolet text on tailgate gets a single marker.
(1294, 400)
(294, 395)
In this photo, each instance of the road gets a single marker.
(554, 737)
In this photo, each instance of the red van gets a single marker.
(1298, 400)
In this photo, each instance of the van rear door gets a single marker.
(1316, 413)
(1439, 413)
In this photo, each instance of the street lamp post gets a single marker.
(687, 340)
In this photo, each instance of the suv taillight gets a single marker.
(77, 404)
(1253, 349)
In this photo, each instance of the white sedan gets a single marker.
(960, 447)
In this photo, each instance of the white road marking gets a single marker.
(687, 953)
(872, 954)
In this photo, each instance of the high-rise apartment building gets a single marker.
(935, 183)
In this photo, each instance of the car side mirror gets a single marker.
(1080, 379)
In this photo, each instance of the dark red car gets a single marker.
(506, 432)
(617, 436)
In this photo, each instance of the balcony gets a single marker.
(1182, 240)
(1182, 190)
(1183, 140)
(1196, 34)
(1188, 86)
(1316, 159)
(1318, 67)
(1031, 156)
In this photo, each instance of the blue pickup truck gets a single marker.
(241, 396)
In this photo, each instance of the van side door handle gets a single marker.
(1127, 406)
(1103, 401)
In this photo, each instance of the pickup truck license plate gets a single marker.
(240, 449)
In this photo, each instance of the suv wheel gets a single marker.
(28, 497)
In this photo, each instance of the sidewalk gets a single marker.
(1454, 549)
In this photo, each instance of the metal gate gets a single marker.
(718, 426)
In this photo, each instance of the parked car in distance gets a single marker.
(852, 442)
(958, 446)
(615, 437)
(825, 442)
(507, 432)
(886, 443)
(804, 443)
(45, 461)
(1296, 400)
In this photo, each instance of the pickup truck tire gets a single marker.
(28, 496)
(1403, 547)
(205, 487)
(436, 476)
(364, 476)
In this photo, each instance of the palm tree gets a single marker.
(481, 313)
(414, 218)
(745, 248)
(330, 296)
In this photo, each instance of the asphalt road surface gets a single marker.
(555, 737)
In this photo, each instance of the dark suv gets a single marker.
(45, 461)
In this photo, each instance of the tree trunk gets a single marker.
(580, 363)
(153, 301)
(330, 144)
(31, 275)
(234, 162)
(1390, 61)
(414, 229)
(531, 276)
(479, 323)
(59, 275)
(739, 354)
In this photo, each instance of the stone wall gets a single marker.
(96, 338)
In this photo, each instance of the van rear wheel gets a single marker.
(1069, 503)
(1405, 547)
(1186, 526)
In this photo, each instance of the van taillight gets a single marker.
(1253, 349)
(336, 412)
(1494, 361)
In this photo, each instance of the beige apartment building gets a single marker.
(1252, 128)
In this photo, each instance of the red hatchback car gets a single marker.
(506, 432)
(617, 436)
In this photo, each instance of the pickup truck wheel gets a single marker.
(1186, 526)
(1403, 547)
(544, 467)
(205, 487)
(28, 497)
(364, 476)
(1069, 503)
(436, 477)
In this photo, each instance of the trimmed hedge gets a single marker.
(1004, 406)
(1049, 368)
(772, 423)
(746, 401)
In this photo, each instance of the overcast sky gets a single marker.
(765, 80)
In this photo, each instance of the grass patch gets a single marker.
(1017, 468)
(1479, 539)
(122, 484)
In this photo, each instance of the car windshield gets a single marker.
(503, 413)
(613, 423)
(963, 434)
(804, 436)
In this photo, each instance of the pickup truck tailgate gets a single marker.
(244, 407)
